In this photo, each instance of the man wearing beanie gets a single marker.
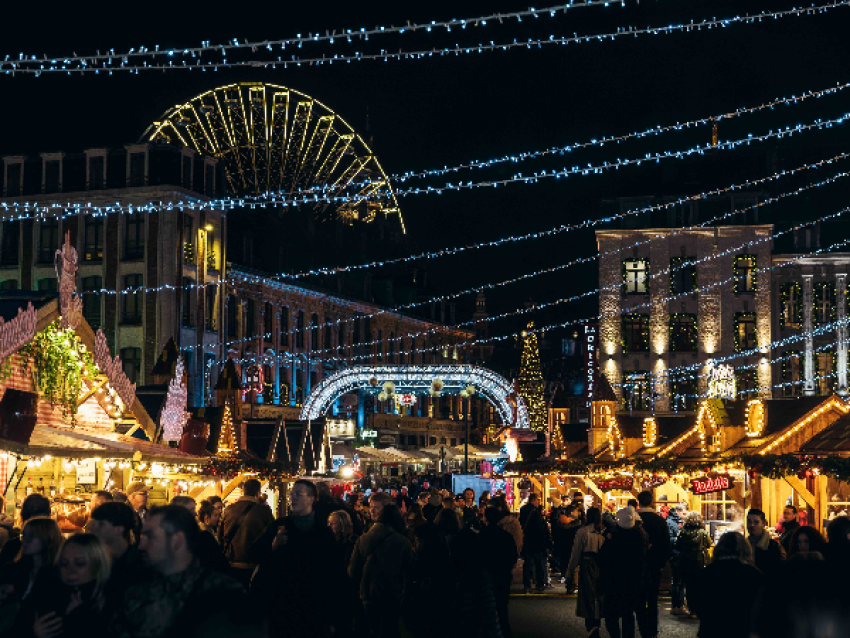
(622, 561)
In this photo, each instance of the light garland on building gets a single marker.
(834, 403)
(755, 417)
(650, 431)
(112, 63)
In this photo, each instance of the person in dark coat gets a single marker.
(304, 548)
(769, 554)
(432, 579)
(380, 563)
(536, 542)
(656, 558)
(790, 524)
(585, 558)
(531, 504)
(69, 597)
(732, 571)
(500, 554)
(242, 523)
(692, 547)
(677, 586)
(622, 559)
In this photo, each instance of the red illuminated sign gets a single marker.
(710, 484)
(615, 484)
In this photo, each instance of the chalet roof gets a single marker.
(229, 379)
(11, 301)
(573, 432)
(835, 438)
(167, 360)
(781, 413)
(604, 391)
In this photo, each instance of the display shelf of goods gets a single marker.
(59, 365)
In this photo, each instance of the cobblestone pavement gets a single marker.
(553, 613)
(554, 616)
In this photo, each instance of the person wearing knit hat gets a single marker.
(622, 561)
(626, 517)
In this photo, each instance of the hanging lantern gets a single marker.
(389, 387)
(470, 390)
(382, 396)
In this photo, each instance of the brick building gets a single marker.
(122, 251)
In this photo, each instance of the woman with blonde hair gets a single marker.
(692, 546)
(69, 602)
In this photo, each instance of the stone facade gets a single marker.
(121, 251)
(810, 294)
(722, 255)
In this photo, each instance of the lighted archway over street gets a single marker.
(420, 379)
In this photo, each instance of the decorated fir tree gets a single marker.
(531, 381)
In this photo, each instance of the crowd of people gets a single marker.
(414, 560)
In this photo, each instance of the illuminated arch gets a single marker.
(272, 138)
(756, 417)
(416, 379)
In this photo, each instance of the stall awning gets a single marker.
(86, 443)
(481, 451)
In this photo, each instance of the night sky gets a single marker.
(445, 111)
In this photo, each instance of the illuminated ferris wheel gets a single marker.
(275, 139)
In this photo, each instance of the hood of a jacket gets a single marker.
(6, 521)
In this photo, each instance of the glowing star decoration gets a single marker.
(113, 370)
(70, 305)
(721, 381)
(18, 331)
(174, 415)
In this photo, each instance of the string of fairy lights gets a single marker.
(54, 65)
(344, 35)
(541, 234)
(570, 323)
(670, 375)
(14, 211)
(542, 305)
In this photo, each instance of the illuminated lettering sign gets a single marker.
(369, 434)
(591, 354)
(710, 484)
(615, 484)
(721, 381)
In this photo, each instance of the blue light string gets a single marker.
(36, 211)
(10, 67)
(348, 35)
(571, 323)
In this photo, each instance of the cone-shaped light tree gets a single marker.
(531, 380)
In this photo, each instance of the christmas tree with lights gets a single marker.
(531, 381)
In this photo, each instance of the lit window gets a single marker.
(683, 333)
(636, 276)
(745, 331)
(635, 333)
(823, 303)
(745, 274)
(791, 305)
